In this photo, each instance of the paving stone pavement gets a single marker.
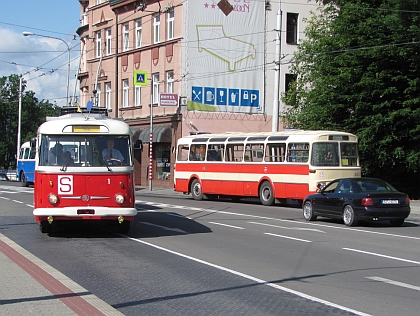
(29, 286)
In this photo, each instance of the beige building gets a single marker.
(132, 50)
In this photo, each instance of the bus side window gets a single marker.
(182, 153)
(275, 152)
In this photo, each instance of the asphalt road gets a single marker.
(222, 258)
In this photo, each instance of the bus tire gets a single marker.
(45, 227)
(23, 179)
(196, 192)
(124, 227)
(266, 194)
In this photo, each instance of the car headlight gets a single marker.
(119, 198)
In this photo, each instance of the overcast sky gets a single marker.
(46, 59)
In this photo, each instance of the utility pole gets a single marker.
(277, 74)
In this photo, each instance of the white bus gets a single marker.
(268, 165)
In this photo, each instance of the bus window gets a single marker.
(182, 153)
(325, 154)
(254, 152)
(348, 154)
(215, 152)
(275, 152)
(298, 152)
(234, 152)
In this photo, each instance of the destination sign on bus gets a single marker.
(86, 129)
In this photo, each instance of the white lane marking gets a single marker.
(17, 201)
(408, 286)
(246, 276)
(383, 256)
(288, 221)
(165, 228)
(4, 198)
(283, 227)
(287, 237)
(29, 205)
(231, 226)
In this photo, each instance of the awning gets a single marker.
(161, 134)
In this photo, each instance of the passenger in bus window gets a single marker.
(55, 155)
(112, 155)
(193, 153)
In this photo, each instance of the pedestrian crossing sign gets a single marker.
(140, 78)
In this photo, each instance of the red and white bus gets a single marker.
(268, 165)
(76, 179)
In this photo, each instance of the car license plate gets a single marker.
(390, 202)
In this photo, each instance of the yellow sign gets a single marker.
(86, 129)
(140, 78)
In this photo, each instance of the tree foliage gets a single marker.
(358, 70)
(33, 114)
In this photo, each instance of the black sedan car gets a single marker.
(358, 199)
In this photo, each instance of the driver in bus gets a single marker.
(111, 154)
(55, 156)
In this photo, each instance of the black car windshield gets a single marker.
(375, 185)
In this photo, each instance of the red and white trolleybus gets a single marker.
(79, 176)
(269, 165)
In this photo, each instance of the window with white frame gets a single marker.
(108, 41)
(170, 81)
(98, 95)
(138, 33)
(99, 1)
(126, 37)
(98, 44)
(155, 79)
(170, 31)
(125, 93)
(156, 29)
(137, 96)
(108, 101)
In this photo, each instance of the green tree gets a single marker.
(33, 114)
(358, 70)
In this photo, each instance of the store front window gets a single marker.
(163, 162)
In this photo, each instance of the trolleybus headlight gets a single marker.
(53, 199)
(119, 198)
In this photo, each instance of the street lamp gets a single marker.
(68, 63)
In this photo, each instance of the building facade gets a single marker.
(227, 61)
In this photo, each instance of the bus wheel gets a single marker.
(23, 180)
(45, 227)
(196, 190)
(124, 227)
(266, 194)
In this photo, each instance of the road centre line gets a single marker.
(231, 226)
(287, 237)
(408, 286)
(383, 256)
(283, 227)
(246, 276)
(282, 220)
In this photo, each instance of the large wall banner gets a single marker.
(225, 56)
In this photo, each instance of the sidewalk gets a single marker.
(31, 286)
